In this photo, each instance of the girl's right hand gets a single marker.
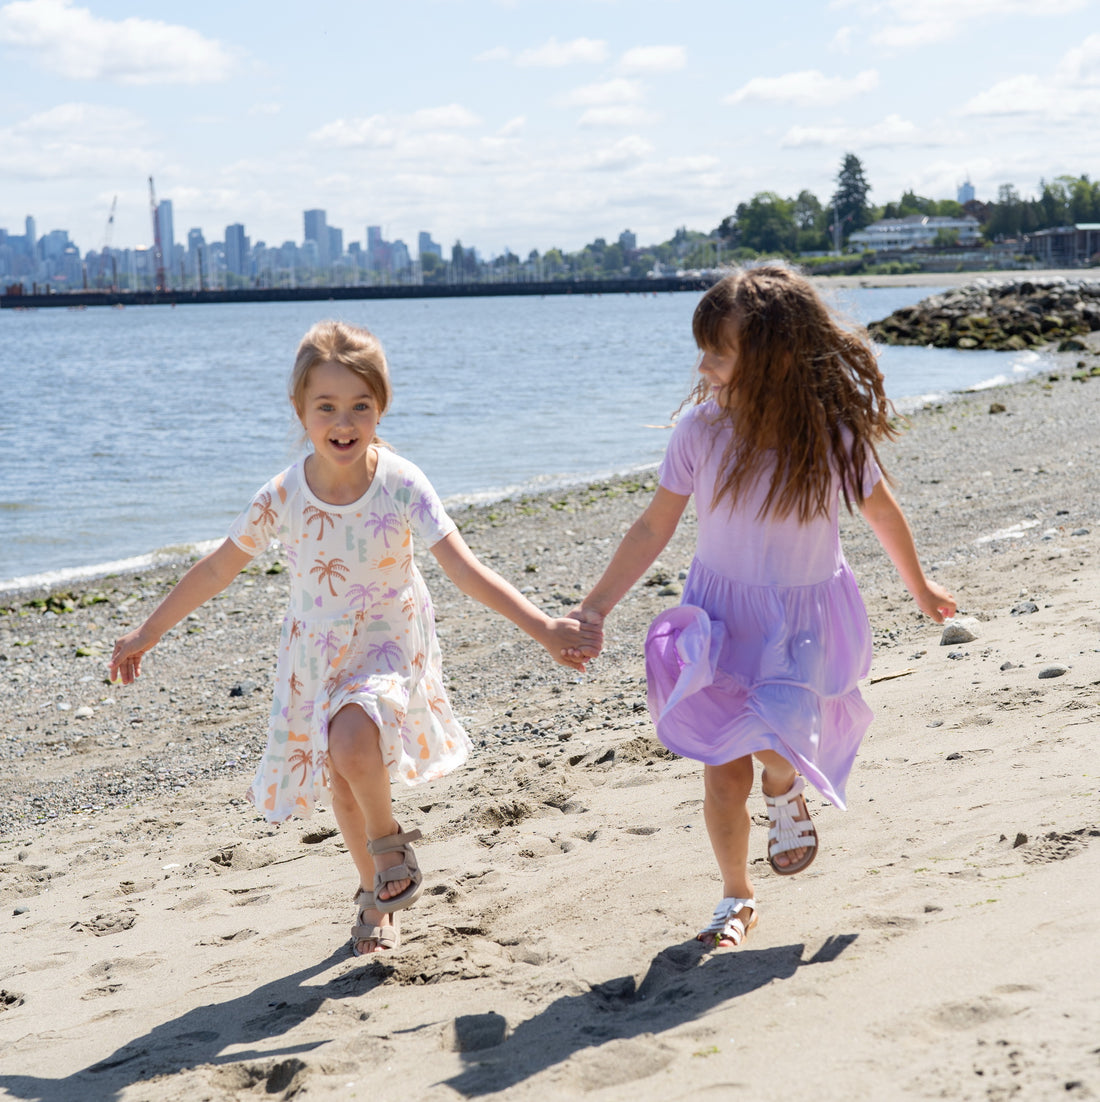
(594, 619)
(126, 657)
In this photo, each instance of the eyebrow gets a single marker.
(334, 397)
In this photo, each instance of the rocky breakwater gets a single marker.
(1003, 315)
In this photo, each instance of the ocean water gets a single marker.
(128, 434)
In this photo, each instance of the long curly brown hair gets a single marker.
(801, 377)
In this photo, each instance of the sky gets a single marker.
(524, 124)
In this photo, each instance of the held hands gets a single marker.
(592, 621)
(572, 642)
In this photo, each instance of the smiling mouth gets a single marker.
(342, 444)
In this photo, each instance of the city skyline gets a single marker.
(517, 125)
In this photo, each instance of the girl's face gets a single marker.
(718, 369)
(340, 415)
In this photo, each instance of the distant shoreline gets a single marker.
(83, 299)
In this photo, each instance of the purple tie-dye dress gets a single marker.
(767, 647)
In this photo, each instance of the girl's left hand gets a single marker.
(935, 602)
(572, 643)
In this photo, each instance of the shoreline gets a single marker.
(166, 943)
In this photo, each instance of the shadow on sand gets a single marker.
(682, 984)
(199, 1037)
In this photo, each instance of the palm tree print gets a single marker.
(408, 606)
(264, 513)
(300, 759)
(422, 509)
(389, 651)
(295, 685)
(326, 571)
(295, 629)
(328, 642)
(362, 595)
(312, 514)
(383, 524)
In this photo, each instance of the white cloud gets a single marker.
(1073, 89)
(619, 115)
(625, 153)
(841, 42)
(76, 44)
(373, 132)
(555, 55)
(891, 131)
(907, 24)
(603, 95)
(654, 59)
(512, 127)
(76, 140)
(809, 88)
(497, 53)
(453, 116)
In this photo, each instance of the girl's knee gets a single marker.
(731, 781)
(352, 734)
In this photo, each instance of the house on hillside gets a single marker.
(1066, 246)
(917, 231)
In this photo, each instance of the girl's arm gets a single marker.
(887, 521)
(209, 576)
(646, 539)
(475, 579)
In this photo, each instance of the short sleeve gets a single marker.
(256, 526)
(428, 519)
(677, 471)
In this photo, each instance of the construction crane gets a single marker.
(107, 246)
(158, 252)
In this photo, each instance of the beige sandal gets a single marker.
(728, 923)
(388, 937)
(407, 870)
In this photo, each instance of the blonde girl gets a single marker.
(763, 656)
(359, 698)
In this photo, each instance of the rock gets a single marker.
(1024, 608)
(1021, 840)
(84, 713)
(996, 407)
(956, 633)
(243, 688)
(1053, 670)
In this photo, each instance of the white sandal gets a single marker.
(728, 923)
(788, 833)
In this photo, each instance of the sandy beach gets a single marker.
(162, 942)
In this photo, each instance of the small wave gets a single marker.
(53, 579)
(542, 484)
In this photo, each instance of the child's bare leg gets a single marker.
(725, 809)
(776, 780)
(361, 801)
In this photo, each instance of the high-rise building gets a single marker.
(335, 243)
(316, 230)
(236, 250)
(167, 231)
(425, 244)
(628, 241)
(966, 192)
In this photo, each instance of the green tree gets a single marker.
(850, 206)
(767, 224)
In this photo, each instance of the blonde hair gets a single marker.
(801, 377)
(350, 346)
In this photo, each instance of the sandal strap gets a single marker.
(388, 876)
(724, 914)
(391, 842)
(787, 797)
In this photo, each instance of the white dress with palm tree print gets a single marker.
(359, 630)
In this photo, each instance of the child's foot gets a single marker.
(373, 932)
(397, 878)
(792, 839)
(733, 918)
